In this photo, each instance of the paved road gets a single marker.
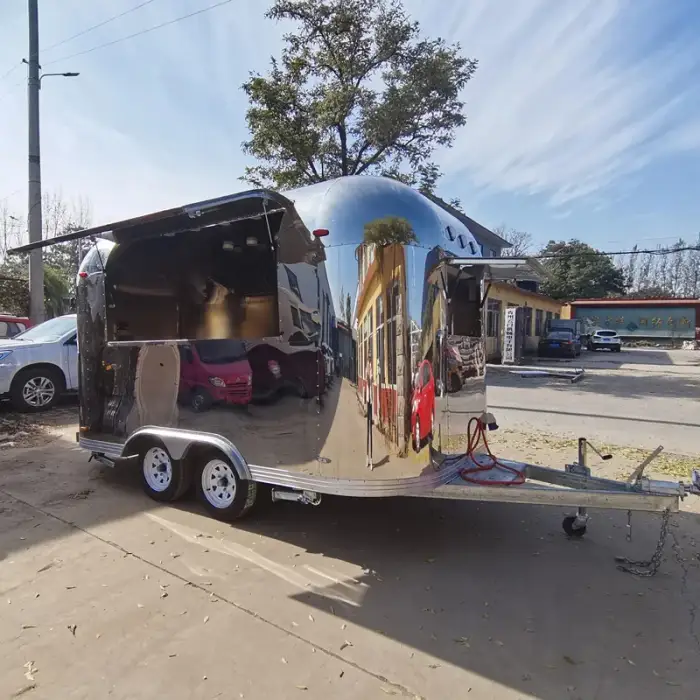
(107, 595)
(639, 398)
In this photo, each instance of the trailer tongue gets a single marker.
(360, 274)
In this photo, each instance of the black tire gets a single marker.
(227, 501)
(163, 478)
(37, 382)
(570, 530)
(200, 400)
(416, 436)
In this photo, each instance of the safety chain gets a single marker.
(650, 567)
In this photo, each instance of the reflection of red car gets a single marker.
(300, 371)
(215, 371)
(423, 404)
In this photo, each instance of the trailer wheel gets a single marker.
(570, 530)
(222, 492)
(163, 478)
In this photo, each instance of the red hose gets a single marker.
(474, 437)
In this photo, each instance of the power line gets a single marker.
(100, 24)
(601, 253)
(142, 32)
(11, 71)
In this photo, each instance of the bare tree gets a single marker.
(521, 241)
(672, 271)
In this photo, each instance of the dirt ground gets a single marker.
(107, 594)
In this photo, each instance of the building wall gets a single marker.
(642, 320)
(501, 296)
(377, 277)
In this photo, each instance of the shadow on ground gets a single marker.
(496, 590)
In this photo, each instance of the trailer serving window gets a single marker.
(202, 271)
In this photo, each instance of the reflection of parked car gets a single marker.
(423, 404)
(215, 371)
(300, 371)
(605, 339)
(560, 343)
(10, 325)
(38, 365)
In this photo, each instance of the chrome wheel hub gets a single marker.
(38, 392)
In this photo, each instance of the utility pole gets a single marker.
(34, 224)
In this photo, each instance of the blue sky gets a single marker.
(583, 116)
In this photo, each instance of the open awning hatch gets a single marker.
(236, 207)
(501, 269)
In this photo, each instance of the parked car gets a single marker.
(423, 404)
(40, 364)
(11, 325)
(299, 371)
(561, 343)
(605, 339)
(215, 371)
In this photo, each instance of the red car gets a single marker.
(10, 325)
(423, 404)
(215, 371)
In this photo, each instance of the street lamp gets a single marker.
(63, 75)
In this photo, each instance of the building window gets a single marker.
(379, 315)
(392, 311)
(539, 316)
(293, 283)
(549, 316)
(527, 320)
(556, 316)
(493, 318)
(450, 233)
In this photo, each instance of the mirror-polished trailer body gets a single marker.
(329, 340)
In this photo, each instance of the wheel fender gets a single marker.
(40, 365)
(180, 442)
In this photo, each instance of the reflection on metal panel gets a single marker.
(338, 357)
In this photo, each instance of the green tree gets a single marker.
(14, 287)
(388, 230)
(356, 90)
(578, 271)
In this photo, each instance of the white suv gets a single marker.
(37, 366)
(605, 339)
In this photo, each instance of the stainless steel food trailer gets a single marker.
(205, 333)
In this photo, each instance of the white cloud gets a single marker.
(569, 97)
(566, 101)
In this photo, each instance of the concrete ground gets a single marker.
(107, 594)
(640, 397)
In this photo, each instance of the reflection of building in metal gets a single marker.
(537, 309)
(415, 336)
(380, 316)
(347, 351)
(661, 319)
(491, 245)
(305, 303)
